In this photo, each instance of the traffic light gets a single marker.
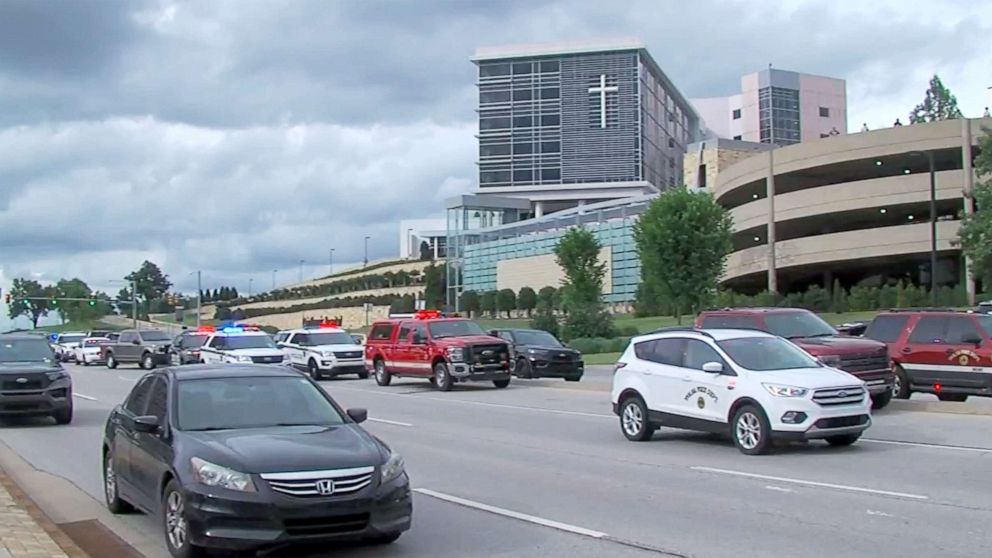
(92, 302)
(55, 302)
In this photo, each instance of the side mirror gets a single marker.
(136, 342)
(713, 368)
(147, 424)
(358, 415)
(493, 333)
(976, 341)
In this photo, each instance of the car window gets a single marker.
(725, 321)
(886, 329)
(126, 337)
(698, 353)
(217, 343)
(986, 323)
(796, 325)
(154, 336)
(157, 397)
(301, 339)
(929, 329)
(381, 332)
(662, 351)
(961, 329)
(319, 338)
(25, 350)
(766, 353)
(404, 333)
(506, 335)
(455, 328)
(137, 401)
(178, 342)
(537, 338)
(419, 331)
(249, 342)
(193, 341)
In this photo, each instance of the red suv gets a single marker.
(865, 358)
(443, 350)
(944, 352)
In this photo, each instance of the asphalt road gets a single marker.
(541, 469)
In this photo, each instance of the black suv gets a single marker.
(541, 355)
(32, 382)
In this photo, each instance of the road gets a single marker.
(541, 469)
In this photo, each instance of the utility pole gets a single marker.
(274, 279)
(366, 251)
(330, 262)
(250, 280)
(199, 297)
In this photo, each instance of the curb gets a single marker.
(54, 531)
(946, 407)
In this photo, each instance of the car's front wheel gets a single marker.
(148, 361)
(634, 420)
(313, 369)
(900, 384)
(523, 369)
(442, 377)
(114, 502)
(64, 415)
(176, 525)
(111, 361)
(751, 431)
(382, 376)
(881, 400)
(501, 383)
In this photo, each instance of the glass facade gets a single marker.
(778, 115)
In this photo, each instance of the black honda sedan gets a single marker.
(244, 457)
(541, 355)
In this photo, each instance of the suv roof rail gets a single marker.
(683, 328)
(924, 309)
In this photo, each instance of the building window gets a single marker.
(521, 68)
(550, 120)
(737, 114)
(824, 112)
(494, 97)
(550, 147)
(550, 93)
(523, 148)
(494, 123)
(702, 176)
(550, 174)
(523, 175)
(494, 70)
(738, 138)
(671, 142)
(523, 94)
(549, 66)
(523, 121)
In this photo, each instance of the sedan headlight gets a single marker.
(393, 467)
(456, 354)
(785, 391)
(208, 474)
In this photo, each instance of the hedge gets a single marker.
(595, 345)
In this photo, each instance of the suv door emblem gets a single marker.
(325, 487)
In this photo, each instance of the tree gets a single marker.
(544, 319)
(975, 233)
(506, 300)
(939, 104)
(21, 292)
(435, 286)
(487, 302)
(683, 239)
(149, 281)
(74, 310)
(526, 300)
(469, 302)
(577, 253)
(547, 295)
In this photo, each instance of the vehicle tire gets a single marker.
(147, 362)
(523, 369)
(881, 400)
(388, 538)
(111, 361)
(363, 375)
(110, 495)
(751, 431)
(634, 420)
(313, 370)
(382, 376)
(64, 416)
(845, 440)
(442, 377)
(572, 378)
(175, 525)
(501, 383)
(85, 362)
(957, 397)
(900, 385)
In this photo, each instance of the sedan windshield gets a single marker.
(766, 353)
(25, 350)
(234, 403)
(455, 328)
(249, 342)
(154, 336)
(329, 338)
(793, 325)
(538, 338)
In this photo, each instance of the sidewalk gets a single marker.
(21, 531)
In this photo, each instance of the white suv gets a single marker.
(755, 386)
(324, 351)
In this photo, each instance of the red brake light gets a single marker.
(427, 314)
(936, 387)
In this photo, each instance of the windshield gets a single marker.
(986, 323)
(95, 342)
(71, 338)
(541, 338)
(249, 342)
(766, 353)
(233, 403)
(793, 325)
(154, 336)
(454, 328)
(193, 341)
(329, 338)
(25, 350)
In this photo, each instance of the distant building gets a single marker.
(414, 232)
(778, 106)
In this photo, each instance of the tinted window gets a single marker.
(138, 399)
(233, 403)
(662, 351)
(549, 66)
(766, 353)
(216, 342)
(384, 331)
(730, 322)
(961, 330)
(986, 323)
(249, 342)
(329, 338)
(25, 350)
(157, 398)
(126, 337)
(404, 333)
(698, 353)
(455, 328)
(886, 329)
(929, 329)
(193, 341)
(794, 325)
(154, 336)
(541, 338)
(299, 339)
(419, 334)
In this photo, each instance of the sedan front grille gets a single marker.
(850, 395)
(330, 525)
(309, 484)
(348, 354)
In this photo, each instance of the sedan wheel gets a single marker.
(114, 502)
(176, 525)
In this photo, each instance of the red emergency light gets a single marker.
(329, 324)
(206, 329)
(427, 314)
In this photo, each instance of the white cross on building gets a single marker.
(602, 89)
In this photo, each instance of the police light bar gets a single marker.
(232, 329)
(206, 329)
(427, 314)
(328, 324)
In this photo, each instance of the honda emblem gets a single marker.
(325, 487)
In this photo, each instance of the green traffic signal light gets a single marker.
(92, 303)
(55, 302)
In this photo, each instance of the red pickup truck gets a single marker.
(443, 350)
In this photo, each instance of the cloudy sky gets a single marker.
(238, 137)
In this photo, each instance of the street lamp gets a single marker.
(366, 263)
(330, 262)
(274, 271)
(134, 300)
(301, 270)
(933, 225)
(409, 244)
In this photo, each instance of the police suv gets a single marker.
(241, 344)
(326, 350)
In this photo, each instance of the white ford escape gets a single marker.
(755, 386)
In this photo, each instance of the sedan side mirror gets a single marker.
(147, 424)
(358, 415)
(713, 368)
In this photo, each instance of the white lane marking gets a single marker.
(512, 514)
(925, 445)
(126, 379)
(86, 397)
(393, 422)
(811, 483)
(484, 404)
(779, 488)
(881, 513)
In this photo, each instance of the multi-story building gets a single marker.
(778, 106)
(566, 124)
